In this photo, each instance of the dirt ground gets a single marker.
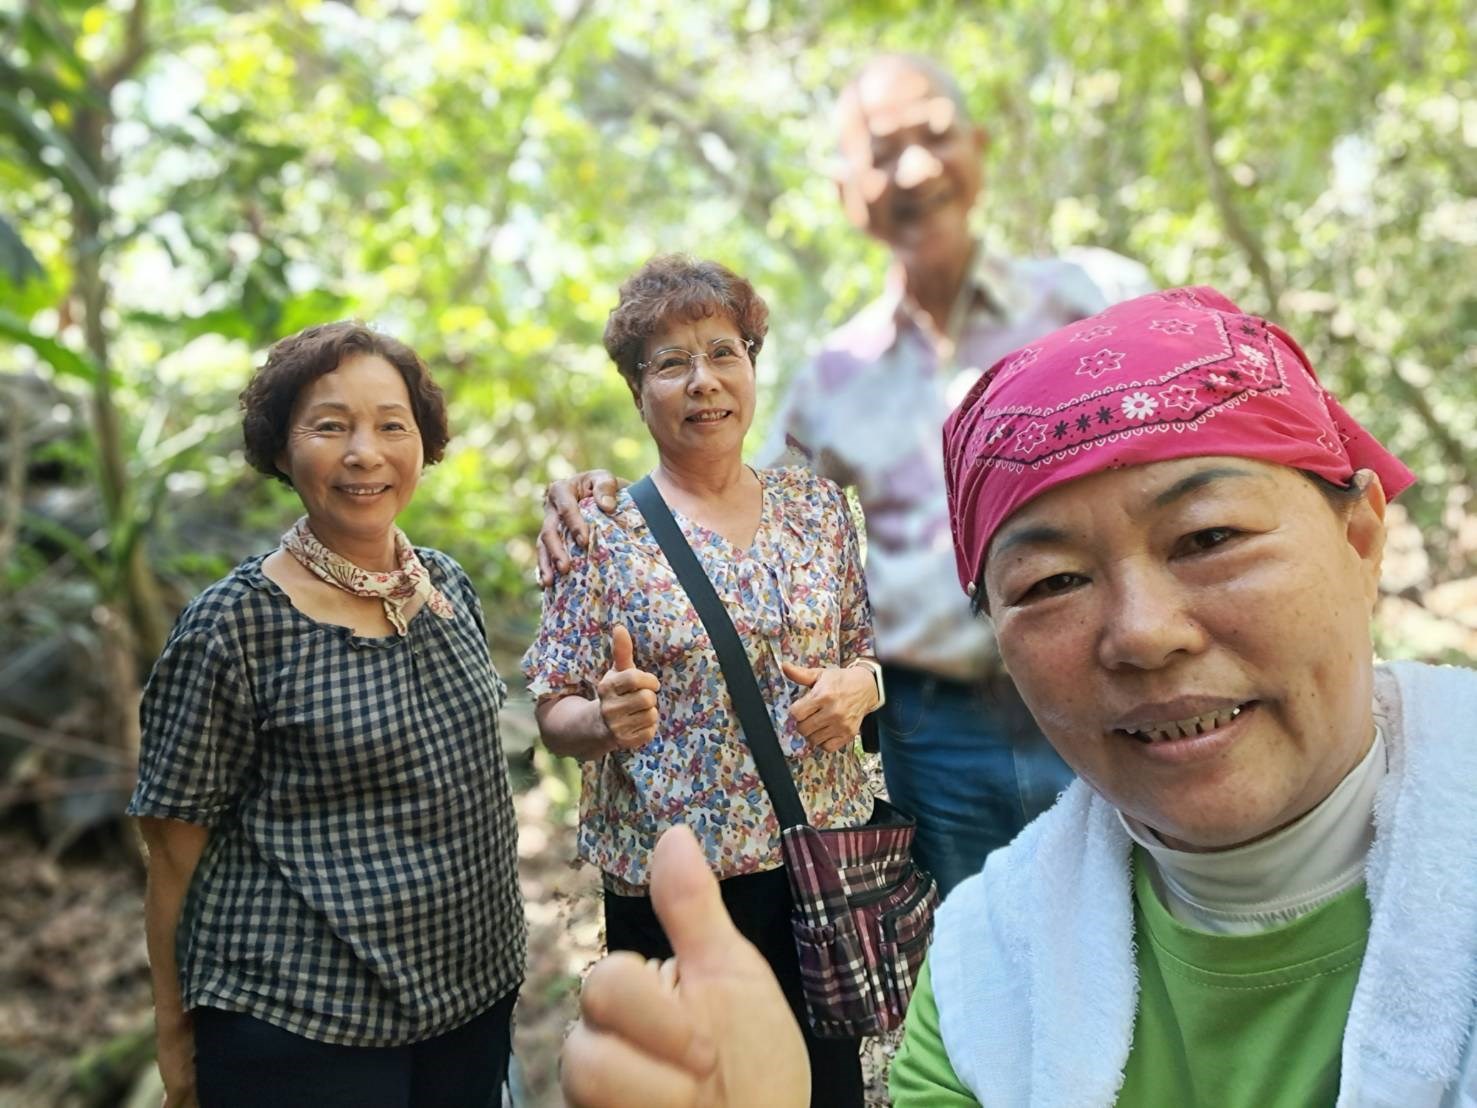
(74, 973)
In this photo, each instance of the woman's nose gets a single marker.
(363, 450)
(1148, 622)
(702, 378)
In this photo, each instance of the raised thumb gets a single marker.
(685, 896)
(622, 652)
(801, 675)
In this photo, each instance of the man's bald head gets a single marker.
(886, 66)
(910, 158)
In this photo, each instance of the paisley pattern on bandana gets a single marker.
(1169, 390)
(1173, 374)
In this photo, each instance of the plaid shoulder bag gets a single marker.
(863, 911)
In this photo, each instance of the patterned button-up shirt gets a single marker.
(359, 884)
(795, 595)
(869, 412)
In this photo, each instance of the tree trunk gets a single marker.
(135, 584)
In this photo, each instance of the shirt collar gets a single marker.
(1281, 876)
(990, 283)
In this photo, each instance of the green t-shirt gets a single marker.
(1224, 1020)
(1242, 1020)
(921, 1076)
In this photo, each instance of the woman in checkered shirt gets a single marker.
(333, 914)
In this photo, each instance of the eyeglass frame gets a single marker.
(748, 347)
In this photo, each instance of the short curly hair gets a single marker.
(297, 361)
(676, 288)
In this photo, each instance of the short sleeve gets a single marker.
(1095, 278)
(857, 637)
(572, 648)
(921, 1075)
(461, 591)
(198, 740)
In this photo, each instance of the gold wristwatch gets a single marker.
(874, 667)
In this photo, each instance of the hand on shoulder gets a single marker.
(566, 519)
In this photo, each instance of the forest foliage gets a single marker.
(183, 181)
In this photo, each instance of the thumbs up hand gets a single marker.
(721, 1036)
(830, 714)
(627, 695)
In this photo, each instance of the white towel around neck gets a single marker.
(1033, 961)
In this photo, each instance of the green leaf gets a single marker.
(44, 85)
(35, 138)
(42, 32)
(17, 264)
(73, 543)
(65, 362)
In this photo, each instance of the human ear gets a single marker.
(853, 202)
(1365, 531)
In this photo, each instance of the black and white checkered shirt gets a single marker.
(359, 885)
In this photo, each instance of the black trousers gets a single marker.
(244, 1062)
(760, 905)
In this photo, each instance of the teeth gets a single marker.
(709, 417)
(1184, 728)
(366, 492)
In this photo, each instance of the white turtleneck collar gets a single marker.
(1273, 880)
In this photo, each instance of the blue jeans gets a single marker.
(968, 764)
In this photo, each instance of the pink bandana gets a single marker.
(1173, 374)
(396, 588)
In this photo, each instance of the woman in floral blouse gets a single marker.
(626, 678)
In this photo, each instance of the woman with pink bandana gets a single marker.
(1263, 888)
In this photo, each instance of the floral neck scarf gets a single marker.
(396, 588)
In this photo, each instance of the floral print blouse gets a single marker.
(796, 594)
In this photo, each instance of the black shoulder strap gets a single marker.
(753, 716)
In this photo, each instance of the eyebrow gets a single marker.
(1046, 535)
(710, 342)
(1186, 485)
(1040, 535)
(340, 406)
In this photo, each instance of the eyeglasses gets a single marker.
(673, 363)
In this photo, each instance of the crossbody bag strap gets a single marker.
(748, 702)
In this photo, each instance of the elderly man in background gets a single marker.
(958, 753)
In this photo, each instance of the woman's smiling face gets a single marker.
(706, 411)
(354, 452)
(1193, 638)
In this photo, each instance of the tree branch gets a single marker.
(757, 190)
(63, 744)
(476, 268)
(1417, 597)
(135, 48)
(51, 788)
(1197, 95)
(1452, 451)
